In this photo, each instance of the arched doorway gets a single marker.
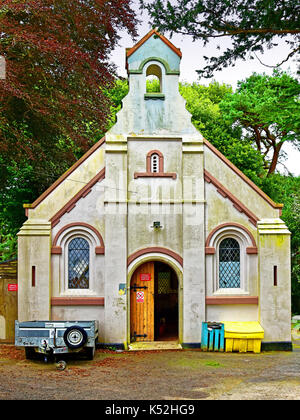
(154, 308)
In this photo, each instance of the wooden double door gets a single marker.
(154, 303)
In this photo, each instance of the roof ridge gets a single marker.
(130, 51)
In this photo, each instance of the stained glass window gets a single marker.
(229, 264)
(164, 279)
(78, 264)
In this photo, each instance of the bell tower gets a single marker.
(159, 112)
(154, 173)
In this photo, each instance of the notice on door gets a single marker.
(140, 296)
(145, 277)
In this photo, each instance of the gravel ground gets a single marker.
(153, 375)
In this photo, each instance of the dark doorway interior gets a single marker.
(165, 303)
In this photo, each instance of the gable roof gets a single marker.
(130, 51)
(243, 176)
(63, 176)
(73, 201)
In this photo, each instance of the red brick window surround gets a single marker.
(155, 166)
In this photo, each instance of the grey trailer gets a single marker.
(56, 337)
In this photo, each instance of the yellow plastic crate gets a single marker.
(243, 336)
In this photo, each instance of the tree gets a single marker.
(267, 108)
(252, 26)
(57, 56)
(53, 105)
(20, 187)
(203, 102)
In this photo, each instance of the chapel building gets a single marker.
(153, 231)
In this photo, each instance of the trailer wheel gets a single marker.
(30, 353)
(61, 365)
(75, 337)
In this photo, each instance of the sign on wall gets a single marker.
(145, 276)
(140, 297)
(122, 289)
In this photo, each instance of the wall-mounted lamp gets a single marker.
(156, 225)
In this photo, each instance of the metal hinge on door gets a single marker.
(135, 287)
(135, 335)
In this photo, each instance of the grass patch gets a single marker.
(213, 363)
(195, 363)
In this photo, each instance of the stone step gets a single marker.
(155, 345)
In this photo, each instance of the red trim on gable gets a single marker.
(64, 176)
(81, 194)
(244, 177)
(131, 50)
(227, 194)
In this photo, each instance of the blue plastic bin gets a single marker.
(212, 336)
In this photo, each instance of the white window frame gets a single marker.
(90, 237)
(231, 290)
(213, 267)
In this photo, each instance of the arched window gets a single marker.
(229, 264)
(155, 166)
(153, 79)
(154, 163)
(77, 249)
(78, 263)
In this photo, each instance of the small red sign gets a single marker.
(145, 276)
(140, 297)
(12, 287)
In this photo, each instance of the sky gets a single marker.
(192, 59)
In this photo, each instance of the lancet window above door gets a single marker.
(155, 166)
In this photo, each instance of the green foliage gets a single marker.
(17, 188)
(267, 108)
(203, 103)
(251, 26)
(22, 181)
(116, 94)
(8, 247)
(51, 110)
(152, 85)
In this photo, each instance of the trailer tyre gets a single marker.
(75, 337)
(30, 353)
